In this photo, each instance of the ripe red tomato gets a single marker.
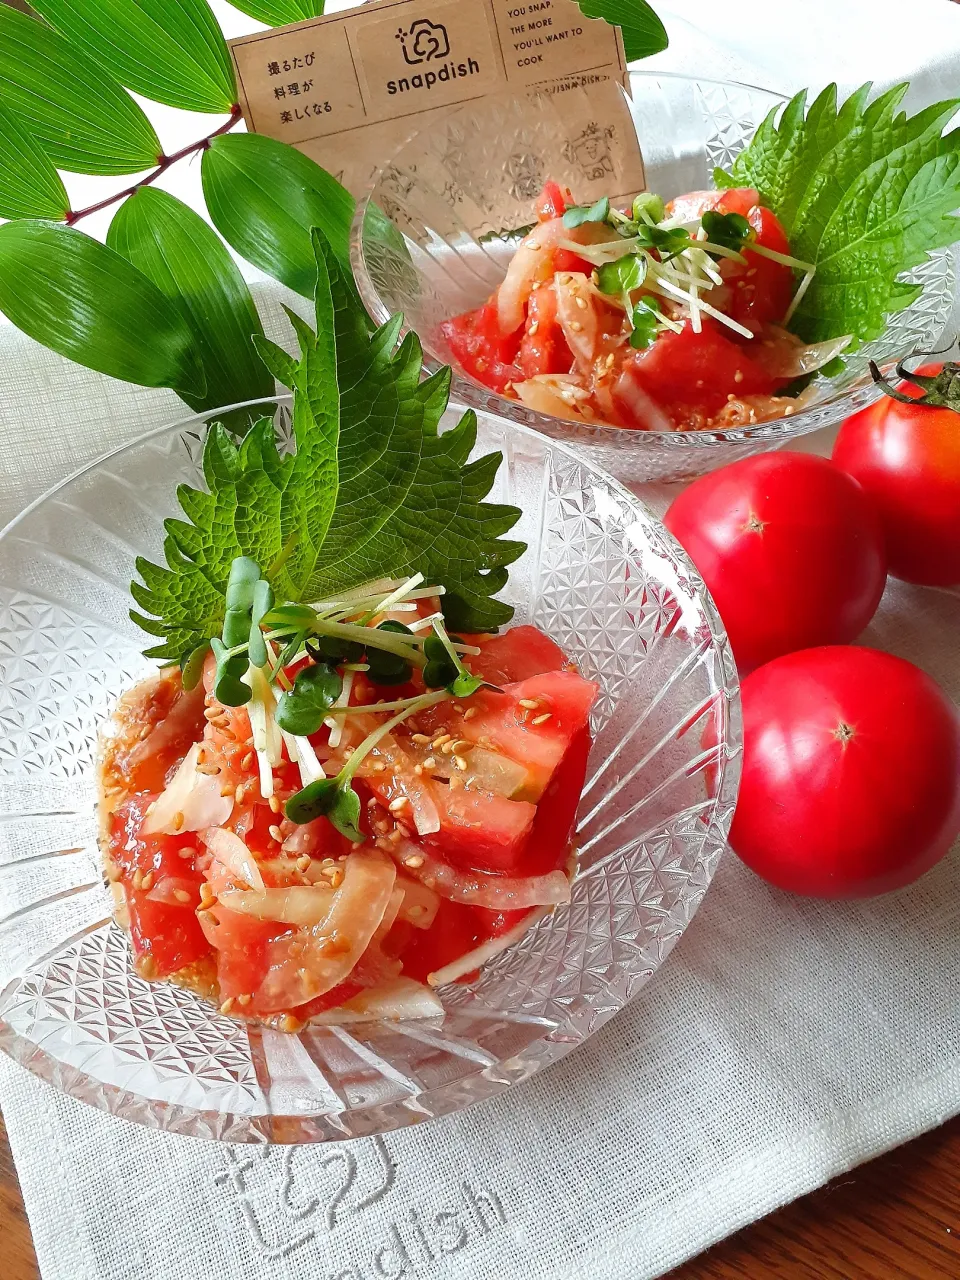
(476, 342)
(543, 348)
(851, 773)
(790, 548)
(907, 457)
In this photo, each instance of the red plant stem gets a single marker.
(163, 164)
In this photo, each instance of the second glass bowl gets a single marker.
(433, 257)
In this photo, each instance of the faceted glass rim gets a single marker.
(581, 1020)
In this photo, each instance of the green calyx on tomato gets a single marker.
(940, 390)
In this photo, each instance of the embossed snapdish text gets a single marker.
(348, 89)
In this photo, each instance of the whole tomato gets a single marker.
(907, 457)
(790, 548)
(851, 773)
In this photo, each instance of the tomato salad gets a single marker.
(339, 851)
(660, 318)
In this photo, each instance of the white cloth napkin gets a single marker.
(784, 1041)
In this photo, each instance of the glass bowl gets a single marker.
(601, 576)
(459, 195)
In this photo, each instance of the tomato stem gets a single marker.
(940, 390)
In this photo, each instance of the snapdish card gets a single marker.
(350, 88)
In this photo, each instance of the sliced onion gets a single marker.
(166, 891)
(190, 801)
(401, 1000)
(784, 356)
(498, 893)
(487, 771)
(302, 905)
(420, 904)
(644, 408)
(423, 808)
(324, 956)
(483, 954)
(580, 323)
(230, 851)
(541, 393)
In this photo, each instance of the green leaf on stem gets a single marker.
(622, 275)
(277, 13)
(301, 711)
(81, 299)
(328, 798)
(643, 32)
(264, 197)
(30, 186)
(389, 668)
(172, 51)
(82, 118)
(189, 263)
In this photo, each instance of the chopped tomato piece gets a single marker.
(165, 931)
(476, 342)
(694, 204)
(480, 831)
(549, 845)
(515, 655)
(242, 944)
(695, 371)
(554, 201)
(543, 348)
(457, 930)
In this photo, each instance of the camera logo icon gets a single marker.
(424, 41)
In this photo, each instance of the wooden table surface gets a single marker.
(897, 1218)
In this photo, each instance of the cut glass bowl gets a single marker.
(462, 192)
(601, 576)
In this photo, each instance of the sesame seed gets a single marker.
(240, 793)
(372, 802)
(447, 749)
(470, 713)
(610, 361)
(147, 882)
(417, 911)
(303, 863)
(438, 742)
(396, 805)
(535, 286)
(336, 880)
(247, 761)
(138, 879)
(181, 895)
(275, 804)
(542, 719)
(576, 326)
(413, 861)
(379, 766)
(226, 789)
(212, 713)
(529, 704)
(290, 1024)
(460, 762)
(480, 365)
(381, 827)
(535, 245)
(357, 844)
(178, 820)
(581, 303)
(738, 376)
(463, 747)
(227, 1006)
(245, 999)
(395, 836)
(274, 831)
(210, 770)
(430, 763)
(533, 327)
(418, 770)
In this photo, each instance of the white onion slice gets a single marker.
(541, 393)
(302, 905)
(189, 802)
(423, 808)
(325, 955)
(786, 359)
(230, 851)
(643, 406)
(401, 1000)
(483, 954)
(166, 891)
(420, 904)
(580, 323)
(497, 893)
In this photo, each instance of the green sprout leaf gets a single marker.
(643, 32)
(623, 275)
(374, 489)
(648, 205)
(301, 711)
(578, 214)
(191, 668)
(88, 303)
(264, 197)
(730, 230)
(328, 798)
(78, 113)
(389, 668)
(333, 649)
(228, 687)
(645, 324)
(172, 51)
(668, 241)
(190, 265)
(30, 186)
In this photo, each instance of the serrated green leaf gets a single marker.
(78, 113)
(372, 490)
(277, 13)
(30, 186)
(79, 298)
(899, 210)
(190, 265)
(172, 51)
(643, 32)
(264, 197)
